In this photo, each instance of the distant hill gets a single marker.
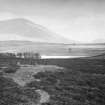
(101, 56)
(27, 29)
(29, 46)
(55, 49)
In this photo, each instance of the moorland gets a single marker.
(80, 82)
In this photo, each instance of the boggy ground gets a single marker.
(81, 82)
(22, 76)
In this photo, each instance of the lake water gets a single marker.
(60, 57)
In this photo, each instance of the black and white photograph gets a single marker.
(52, 52)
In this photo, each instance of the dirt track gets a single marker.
(25, 75)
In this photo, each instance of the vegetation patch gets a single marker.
(80, 82)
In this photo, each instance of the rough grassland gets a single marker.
(82, 82)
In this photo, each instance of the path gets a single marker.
(25, 75)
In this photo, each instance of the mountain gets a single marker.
(28, 30)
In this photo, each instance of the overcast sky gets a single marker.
(82, 20)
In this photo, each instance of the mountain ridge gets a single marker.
(27, 29)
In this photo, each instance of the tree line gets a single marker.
(21, 55)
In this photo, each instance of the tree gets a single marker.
(37, 56)
(19, 55)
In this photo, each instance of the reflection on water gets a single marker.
(60, 57)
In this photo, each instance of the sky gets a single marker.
(80, 20)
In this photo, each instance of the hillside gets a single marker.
(101, 56)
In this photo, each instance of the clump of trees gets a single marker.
(29, 55)
(4, 55)
(21, 55)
